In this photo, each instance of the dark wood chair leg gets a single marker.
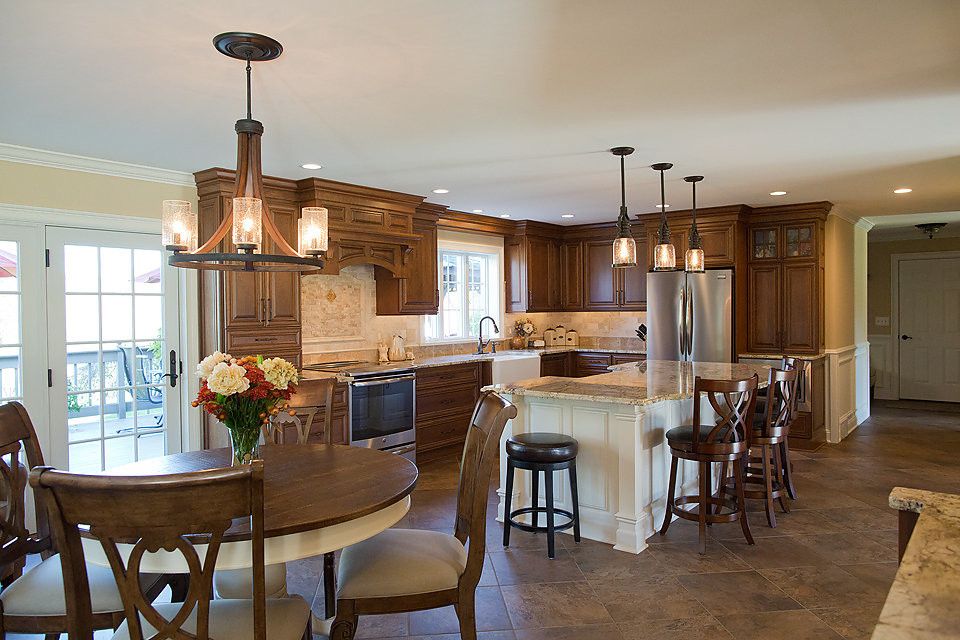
(671, 490)
(548, 486)
(329, 585)
(778, 475)
(704, 506)
(467, 615)
(738, 479)
(575, 498)
(787, 469)
(535, 498)
(344, 626)
(766, 452)
(722, 489)
(508, 503)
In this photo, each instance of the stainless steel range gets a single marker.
(382, 404)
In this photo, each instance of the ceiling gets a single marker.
(512, 105)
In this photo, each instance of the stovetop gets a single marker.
(360, 369)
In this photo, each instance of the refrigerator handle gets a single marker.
(689, 322)
(681, 322)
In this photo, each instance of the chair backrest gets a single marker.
(734, 402)
(301, 418)
(803, 370)
(145, 514)
(16, 435)
(481, 451)
(781, 403)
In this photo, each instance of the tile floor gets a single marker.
(822, 573)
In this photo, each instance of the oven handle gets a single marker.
(382, 381)
(399, 451)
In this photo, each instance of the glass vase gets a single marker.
(244, 443)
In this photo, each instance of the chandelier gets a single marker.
(249, 216)
(624, 246)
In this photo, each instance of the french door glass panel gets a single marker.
(112, 324)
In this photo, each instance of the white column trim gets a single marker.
(841, 405)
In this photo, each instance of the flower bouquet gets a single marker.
(523, 329)
(243, 393)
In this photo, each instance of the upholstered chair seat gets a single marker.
(238, 583)
(401, 562)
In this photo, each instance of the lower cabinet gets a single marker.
(446, 397)
(310, 393)
(555, 364)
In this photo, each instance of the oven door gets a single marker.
(381, 411)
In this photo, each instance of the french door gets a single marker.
(112, 344)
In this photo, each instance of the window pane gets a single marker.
(9, 318)
(80, 269)
(117, 317)
(146, 271)
(83, 416)
(83, 318)
(149, 317)
(85, 457)
(10, 360)
(118, 451)
(151, 445)
(9, 257)
(83, 368)
(115, 270)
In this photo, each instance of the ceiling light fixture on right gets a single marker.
(930, 229)
(312, 166)
(693, 261)
(504, 215)
(903, 190)
(778, 193)
(664, 254)
(441, 190)
(566, 215)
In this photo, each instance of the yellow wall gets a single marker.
(839, 279)
(53, 188)
(878, 273)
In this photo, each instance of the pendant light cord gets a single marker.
(623, 190)
(249, 111)
(663, 233)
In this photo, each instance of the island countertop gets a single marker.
(641, 383)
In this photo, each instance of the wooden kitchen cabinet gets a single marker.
(555, 364)
(446, 397)
(419, 293)
(533, 272)
(609, 289)
(785, 285)
(571, 276)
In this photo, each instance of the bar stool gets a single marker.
(802, 369)
(725, 441)
(765, 481)
(542, 452)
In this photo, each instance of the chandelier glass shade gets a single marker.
(249, 220)
(664, 254)
(624, 245)
(693, 260)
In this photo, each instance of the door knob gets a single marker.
(906, 337)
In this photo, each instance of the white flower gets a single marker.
(228, 379)
(205, 368)
(278, 372)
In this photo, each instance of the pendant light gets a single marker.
(249, 219)
(693, 261)
(664, 254)
(624, 246)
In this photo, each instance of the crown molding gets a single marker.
(45, 216)
(57, 160)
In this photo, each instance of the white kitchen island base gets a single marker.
(623, 462)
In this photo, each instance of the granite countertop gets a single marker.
(640, 383)
(777, 356)
(921, 603)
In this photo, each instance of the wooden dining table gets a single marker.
(317, 499)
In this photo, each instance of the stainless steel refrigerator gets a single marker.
(690, 316)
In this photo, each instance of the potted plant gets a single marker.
(523, 330)
(243, 394)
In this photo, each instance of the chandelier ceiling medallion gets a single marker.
(624, 246)
(250, 216)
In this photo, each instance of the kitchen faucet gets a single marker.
(480, 343)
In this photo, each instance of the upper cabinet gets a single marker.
(418, 293)
(609, 289)
(720, 229)
(533, 273)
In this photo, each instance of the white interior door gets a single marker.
(113, 329)
(929, 329)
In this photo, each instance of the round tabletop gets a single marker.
(317, 498)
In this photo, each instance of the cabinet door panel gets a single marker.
(633, 281)
(543, 274)
(417, 294)
(571, 275)
(600, 280)
(555, 364)
(283, 287)
(764, 242)
(515, 277)
(799, 307)
(764, 301)
(244, 301)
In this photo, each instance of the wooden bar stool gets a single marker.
(764, 474)
(802, 369)
(727, 441)
(542, 452)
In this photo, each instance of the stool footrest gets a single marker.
(536, 511)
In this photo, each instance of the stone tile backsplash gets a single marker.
(339, 322)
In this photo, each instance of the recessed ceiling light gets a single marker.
(903, 190)
(504, 215)
(778, 193)
(567, 215)
(441, 190)
(662, 206)
(312, 166)
(478, 210)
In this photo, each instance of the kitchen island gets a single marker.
(620, 419)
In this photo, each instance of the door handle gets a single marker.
(173, 371)
(262, 311)
(682, 320)
(689, 323)
(906, 337)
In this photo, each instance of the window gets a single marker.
(469, 290)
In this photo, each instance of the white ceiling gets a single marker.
(512, 105)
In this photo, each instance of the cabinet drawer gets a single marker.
(446, 402)
(311, 393)
(591, 364)
(623, 358)
(447, 431)
(262, 340)
(459, 375)
(802, 427)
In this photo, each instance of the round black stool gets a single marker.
(546, 452)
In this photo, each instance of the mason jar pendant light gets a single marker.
(249, 219)
(664, 254)
(694, 259)
(624, 246)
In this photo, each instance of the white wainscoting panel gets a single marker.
(882, 367)
(841, 387)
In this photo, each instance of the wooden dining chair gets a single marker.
(133, 516)
(410, 570)
(290, 428)
(33, 602)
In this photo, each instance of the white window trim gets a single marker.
(470, 243)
